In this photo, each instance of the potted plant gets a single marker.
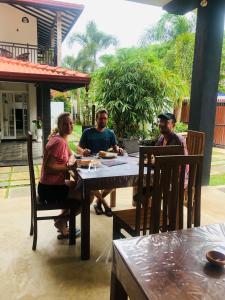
(38, 124)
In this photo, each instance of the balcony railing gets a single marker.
(27, 52)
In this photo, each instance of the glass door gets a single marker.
(21, 100)
(8, 115)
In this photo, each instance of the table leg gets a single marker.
(117, 291)
(72, 225)
(85, 225)
(113, 198)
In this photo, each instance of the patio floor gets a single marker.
(55, 270)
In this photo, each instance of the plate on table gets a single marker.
(107, 155)
(85, 163)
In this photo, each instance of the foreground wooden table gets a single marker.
(169, 266)
(125, 175)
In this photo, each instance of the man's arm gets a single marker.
(83, 151)
(81, 148)
(116, 148)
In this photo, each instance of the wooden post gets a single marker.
(46, 111)
(86, 118)
(205, 76)
(93, 115)
(59, 38)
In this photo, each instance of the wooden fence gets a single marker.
(219, 130)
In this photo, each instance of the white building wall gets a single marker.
(56, 109)
(12, 29)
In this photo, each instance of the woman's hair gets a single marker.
(61, 118)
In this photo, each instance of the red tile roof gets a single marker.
(16, 70)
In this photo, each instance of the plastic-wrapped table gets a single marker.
(169, 266)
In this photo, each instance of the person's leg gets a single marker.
(98, 204)
(106, 192)
(101, 201)
(75, 195)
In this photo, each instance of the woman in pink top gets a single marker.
(53, 185)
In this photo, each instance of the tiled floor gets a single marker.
(11, 177)
(54, 271)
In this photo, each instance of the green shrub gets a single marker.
(181, 127)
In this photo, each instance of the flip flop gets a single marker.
(108, 212)
(98, 209)
(66, 236)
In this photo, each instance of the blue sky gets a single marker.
(124, 19)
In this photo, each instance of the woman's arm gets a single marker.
(52, 166)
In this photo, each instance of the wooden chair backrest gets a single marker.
(31, 169)
(146, 177)
(195, 142)
(168, 192)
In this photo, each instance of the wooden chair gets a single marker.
(166, 187)
(195, 142)
(6, 53)
(195, 145)
(23, 56)
(37, 206)
(158, 151)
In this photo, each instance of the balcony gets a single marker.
(27, 52)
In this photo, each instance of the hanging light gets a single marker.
(203, 3)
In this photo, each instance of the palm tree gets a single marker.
(92, 41)
(168, 28)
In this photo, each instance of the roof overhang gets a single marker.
(45, 11)
(160, 3)
(177, 7)
(56, 78)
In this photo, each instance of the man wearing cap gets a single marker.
(168, 137)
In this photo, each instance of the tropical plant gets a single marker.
(181, 127)
(92, 41)
(62, 97)
(38, 123)
(134, 87)
(168, 28)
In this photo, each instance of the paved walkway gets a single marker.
(14, 170)
(14, 153)
(218, 161)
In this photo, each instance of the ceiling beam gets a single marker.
(181, 7)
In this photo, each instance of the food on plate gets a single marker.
(104, 154)
(85, 163)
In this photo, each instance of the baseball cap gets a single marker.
(167, 116)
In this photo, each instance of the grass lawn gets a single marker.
(77, 130)
(218, 179)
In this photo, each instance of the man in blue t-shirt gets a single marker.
(93, 140)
